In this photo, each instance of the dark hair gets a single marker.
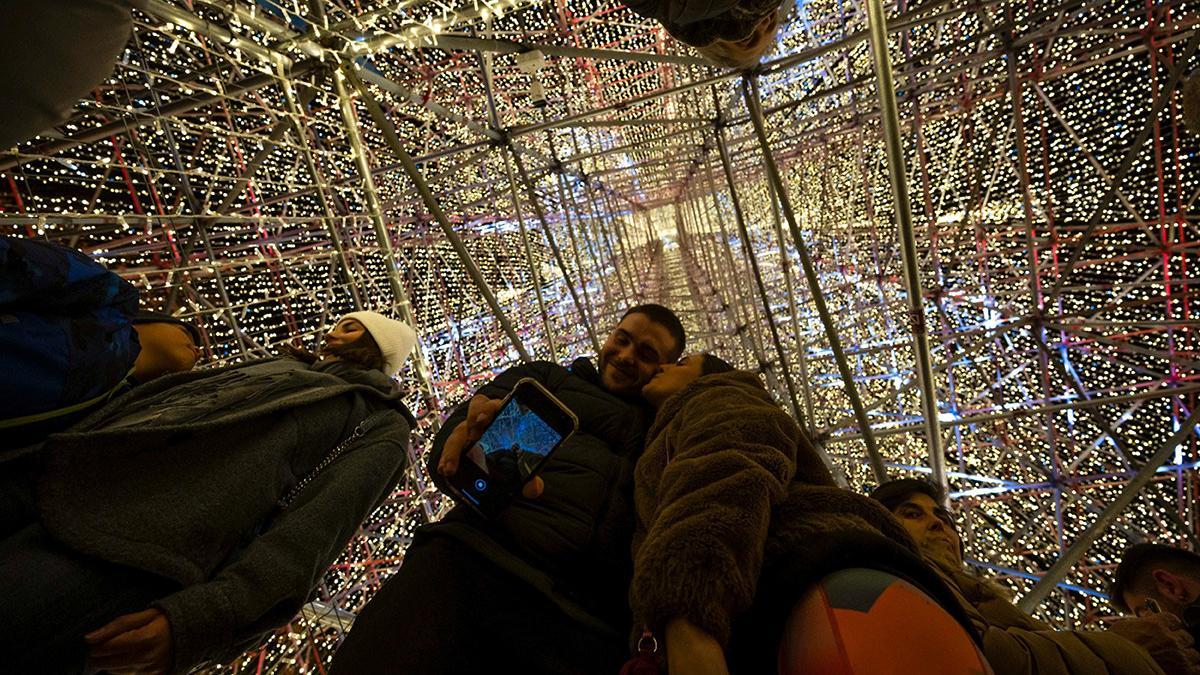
(145, 316)
(667, 319)
(363, 353)
(711, 365)
(1139, 560)
(893, 493)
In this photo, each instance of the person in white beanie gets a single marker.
(186, 519)
(368, 340)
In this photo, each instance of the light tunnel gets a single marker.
(967, 256)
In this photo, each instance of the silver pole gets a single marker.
(533, 270)
(1080, 546)
(300, 130)
(750, 93)
(389, 134)
(570, 228)
(907, 236)
(558, 258)
(420, 365)
(748, 250)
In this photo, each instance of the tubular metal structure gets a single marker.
(990, 210)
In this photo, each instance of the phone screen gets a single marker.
(512, 449)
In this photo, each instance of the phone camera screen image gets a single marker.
(526, 431)
(514, 445)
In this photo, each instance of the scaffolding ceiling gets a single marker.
(263, 167)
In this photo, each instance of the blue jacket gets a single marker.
(66, 340)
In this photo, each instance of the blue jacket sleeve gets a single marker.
(66, 337)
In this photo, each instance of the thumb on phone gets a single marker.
(480, 413)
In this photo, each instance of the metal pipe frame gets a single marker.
(1046, 402)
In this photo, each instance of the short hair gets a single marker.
(667, 319)
(713, 364)
(894, 492)
(1133, 574)
(146, 316)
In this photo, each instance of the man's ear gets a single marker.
(1169, 585)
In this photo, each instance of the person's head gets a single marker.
(646, 337)
(673, 377)
(366, 340)
(917, 504)
(744, 52)
(168, 345)
(1168, 575)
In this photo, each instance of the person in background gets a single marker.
(730, 33)
(1015, 642)
(738, 517)
(541, 587)
(71, 339)
(1155, 578)
(190, 516)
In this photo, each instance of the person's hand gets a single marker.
(480, 413)
(691, 651)
(1165, 638)
(132, 644)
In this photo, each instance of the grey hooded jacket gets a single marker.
(181, 478)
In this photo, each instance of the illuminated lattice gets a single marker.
(219, 168)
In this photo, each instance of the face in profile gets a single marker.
(931, 526)
(632, 354)
(672, 378)
(344, 334)
(1174, 592)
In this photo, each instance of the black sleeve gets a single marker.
(497, 388)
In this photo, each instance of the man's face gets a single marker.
(1173, 592)
(932, 528)
(632, 354)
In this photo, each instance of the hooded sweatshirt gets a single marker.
(182, 477)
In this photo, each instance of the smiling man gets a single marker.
(542, 587)
(1015, 642)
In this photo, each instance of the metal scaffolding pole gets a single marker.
(753, 102)
(306, 152)
(590, 317)
(414, 174)
(421, 365)
(730, 278)
(748, 250)
(554, 249)
(534, 272)
(793, 307)
(1058, 571)
(907, 236)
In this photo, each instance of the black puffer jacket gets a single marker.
(572, 543)
(181, 478)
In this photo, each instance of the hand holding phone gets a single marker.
(499, 449)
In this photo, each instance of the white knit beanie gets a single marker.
(396, 339)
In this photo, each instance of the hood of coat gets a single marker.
(744, 380)
(386, 386)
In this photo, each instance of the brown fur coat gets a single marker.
(727, 483)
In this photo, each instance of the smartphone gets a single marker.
(529, 427)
